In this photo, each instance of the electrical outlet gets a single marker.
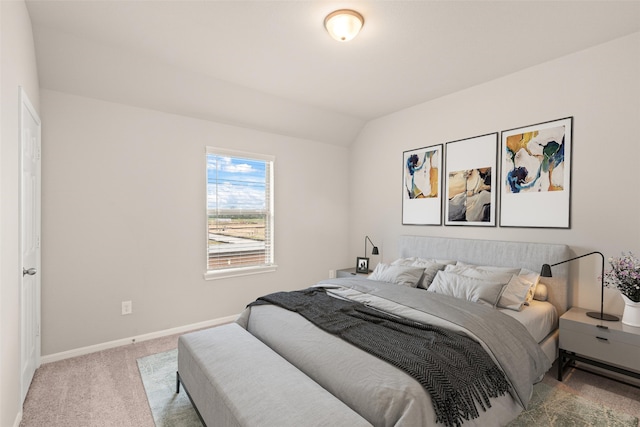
(127, 307)
(332, 274)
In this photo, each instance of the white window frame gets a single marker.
(251, 269)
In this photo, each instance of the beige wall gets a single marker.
(18, 69)
(599, 87)
(124, 219)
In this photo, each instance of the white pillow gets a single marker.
(495, 274)
(529, 275)
(515, 293)
(469, 288)
(488, 267)
(443, 261)
(411, 260)
(534, 278)
(541, 293)
(398, 274)
(403, 261)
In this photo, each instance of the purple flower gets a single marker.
(624, 276)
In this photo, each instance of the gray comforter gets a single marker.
(380, 392)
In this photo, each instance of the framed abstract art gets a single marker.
(470, 184)
(421, 189)
(536, 175)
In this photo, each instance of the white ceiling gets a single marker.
(270, 65)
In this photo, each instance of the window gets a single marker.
(239, 213)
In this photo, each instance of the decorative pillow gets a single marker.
(430, 270)
(431, 267)
(540, 293)
(530, 276)
(469, 288)
(515, 293)
(399, 274)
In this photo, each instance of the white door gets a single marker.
(30, 241)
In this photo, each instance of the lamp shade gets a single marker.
(374, 251)
(344, 24)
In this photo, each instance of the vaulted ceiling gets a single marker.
(270, 65)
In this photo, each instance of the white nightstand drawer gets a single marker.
(615, 331)
(601, 346)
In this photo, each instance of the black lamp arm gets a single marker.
(546, 272)
(374, 251)
(546, 268)
(581, 256)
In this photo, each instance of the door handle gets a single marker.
(30, 272)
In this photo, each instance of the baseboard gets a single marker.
(139, 338)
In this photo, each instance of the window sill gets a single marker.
(236, 272)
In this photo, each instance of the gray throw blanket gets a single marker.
(453, 368)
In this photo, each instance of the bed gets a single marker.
(352, 380)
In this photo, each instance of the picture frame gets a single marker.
(536, 175)
(362, 265)
(470, 181)
(422, 186)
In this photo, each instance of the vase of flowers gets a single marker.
(624, 275)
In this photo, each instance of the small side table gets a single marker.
(349, 272)
(608, 345)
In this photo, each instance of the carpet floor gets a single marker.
(101, 389)
(106, 389)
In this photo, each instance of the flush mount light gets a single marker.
(343, 24)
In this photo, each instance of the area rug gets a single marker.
(169, 409)
(554, 407)
(549, 407)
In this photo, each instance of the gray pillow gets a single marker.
(469, 288)
(430, 266)
(399, 274)
(430, 270)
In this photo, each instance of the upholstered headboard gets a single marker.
(498, 253)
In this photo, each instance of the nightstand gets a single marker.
(349, 272)
(608, 345)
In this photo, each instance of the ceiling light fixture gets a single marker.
(343, 24)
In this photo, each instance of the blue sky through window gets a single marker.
(235, 183)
